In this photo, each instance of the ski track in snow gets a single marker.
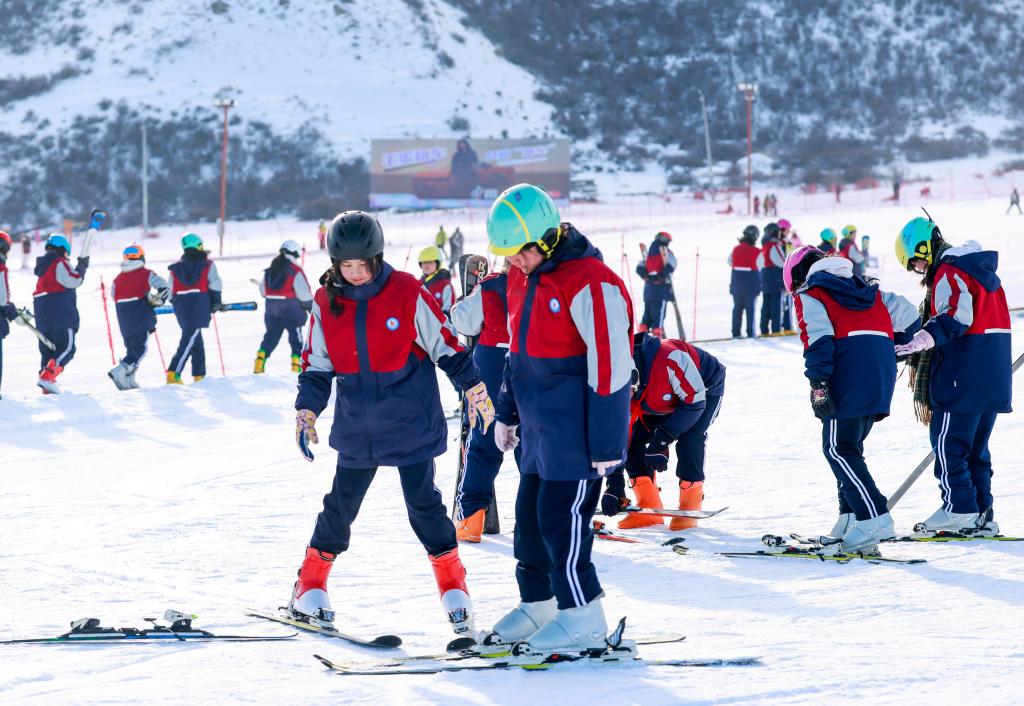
(118, 505)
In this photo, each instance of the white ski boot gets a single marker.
(864, 535)
(844, 523)
(132, 384)
(987, 525)
(943, 520)
(571, 631)
(121, 375)
(521, 622)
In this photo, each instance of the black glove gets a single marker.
(83, 265)
(216, 303)
(9, 311)
(656, 454)
(821, 399)
(612, 504)
(215, 307)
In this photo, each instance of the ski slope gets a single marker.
(120, 504)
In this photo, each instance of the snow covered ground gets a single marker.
(118, 505)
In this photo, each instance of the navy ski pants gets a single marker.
(843, 445)
(554, 538)
(654, 316)
(743, 304)
(190, 345)
(771, 312)
(787, 315)
(135, 347)
(963, 464)
(427, 513)
(1, 362)
(275, 327)
(63, 340)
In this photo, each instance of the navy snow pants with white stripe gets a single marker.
(553, 540)
(963, 465)
(63, 340)
(190, 345)
(843, 444)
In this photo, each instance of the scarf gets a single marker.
(921, 363)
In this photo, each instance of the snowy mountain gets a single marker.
(314, 82)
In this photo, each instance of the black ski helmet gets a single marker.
(355, 235)
(750, 234)
(771, 230)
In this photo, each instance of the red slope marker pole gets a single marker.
(106, 315)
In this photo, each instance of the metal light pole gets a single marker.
(748, 90)
(226, 104)
(707, 137)
(145, 183)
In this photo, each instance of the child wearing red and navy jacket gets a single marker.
(56, 308)
(483, 313)
(656, 272)
(848, 248)
(770, 263)
(134, 304)
(567, 388)
(676, 398)
(376, 336)
(970, 382)
(436, 279)
(289, 300)
(745, 282)
(8, 312)
(849, 328)
(196, 294)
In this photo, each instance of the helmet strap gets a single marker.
(550, 240)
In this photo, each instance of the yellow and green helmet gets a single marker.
(521, 215)
(915, 240)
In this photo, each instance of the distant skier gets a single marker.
(656, 272)
(962, 371)
(828, 241)
(321, 234)
(567, 390)
(436, 279)
(848, 249)
(1014, 201)
(484, 313)
(8, 311)
(675, 400)
(288, 302)
(757, 205)
(745, 283)
(196, 295)
(848, 328)
(56, 308)
(770, 263)
(441, 240)
(134, 300)
(790, 241)
(455, 245)
(380, 336)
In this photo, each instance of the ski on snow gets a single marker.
(812, 549)
(325, 628)
(670, 512)
(88, 630)
(602, 532)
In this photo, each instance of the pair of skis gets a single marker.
(472, 269)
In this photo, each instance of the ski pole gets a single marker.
(408, 253)
(160, 350)
(106, 315)
(696, 274)
(303, 265)
(930, 458)
(220, 351)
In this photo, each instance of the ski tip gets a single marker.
(324, 661)
(461, 643)
(387, 641)
(673, 542)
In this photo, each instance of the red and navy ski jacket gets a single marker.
(656, 272)
(970, 322)
(770, 261)
(567, 382)
(849, 329)
(440, 287)
(484, 313)
(7, 310)
(288, 295)
(130, 292)
(380, 342)
(675, 381)
(745, 281)
(826, 247)
(195, 289)
(55, 302)
(848, 249)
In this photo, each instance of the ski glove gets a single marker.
(480, 405)
(305, 432)
(505, 436)
(83, 265)
(603, 468)
(921, 341)
(821, 399)
(656, 454)
(158, 298)
(10, 311)
(612, 504)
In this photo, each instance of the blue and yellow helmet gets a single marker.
(521, 215)
(915, 241)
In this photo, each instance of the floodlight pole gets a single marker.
(748, 90)
(226, 104)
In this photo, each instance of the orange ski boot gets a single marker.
(691, 496)
(647, 495)
(471, 528)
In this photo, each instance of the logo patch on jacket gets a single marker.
(554, 305)
(666, 397)
(391, 323)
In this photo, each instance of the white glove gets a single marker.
(479, 403)
(603, 468)
(505, 436)
(921, 341)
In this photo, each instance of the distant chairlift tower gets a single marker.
(748, 90)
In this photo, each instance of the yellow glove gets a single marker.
(479, 403)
